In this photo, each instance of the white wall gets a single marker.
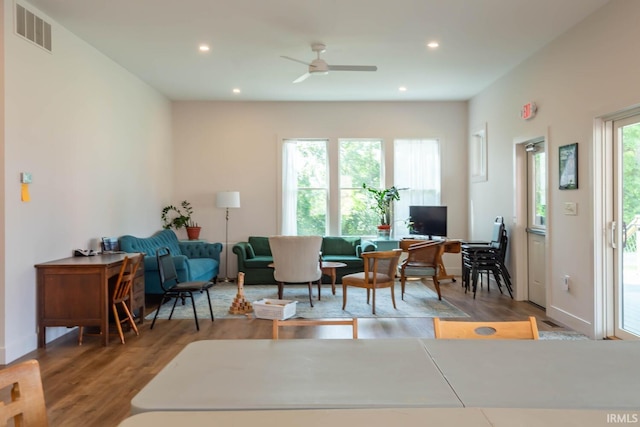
(590, 71)
(233, 146)
(98, 143)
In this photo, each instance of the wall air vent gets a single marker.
(33, 28)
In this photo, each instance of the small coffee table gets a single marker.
(329, 268)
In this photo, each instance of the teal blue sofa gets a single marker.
(194, 260)
(254, 257)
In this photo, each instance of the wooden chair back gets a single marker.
(314, 322)
(27, 406)
(424, 254)
(379, 268)
(509, 330)
(125, 279)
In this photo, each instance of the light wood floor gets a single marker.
(91, 385)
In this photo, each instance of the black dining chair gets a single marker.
(479, 258)
(176, 290)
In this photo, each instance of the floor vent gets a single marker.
(550, 323)
(33, 28)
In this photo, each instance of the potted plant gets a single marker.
(383, 200)
(179, 217)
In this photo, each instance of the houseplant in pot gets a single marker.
(178, 217)
(383, 205)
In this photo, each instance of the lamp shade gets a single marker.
(228, 199)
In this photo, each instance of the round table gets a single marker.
(329, 268)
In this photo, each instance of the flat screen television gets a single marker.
(430, 221)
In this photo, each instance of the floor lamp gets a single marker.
(226, 200)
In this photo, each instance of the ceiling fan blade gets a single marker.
(353, 68)
(294, 59)
(302, 78)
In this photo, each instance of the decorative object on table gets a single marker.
(180, 217)
(110, 245)
(226, 200)
(568, 166)
(383, 205)
(240, 305)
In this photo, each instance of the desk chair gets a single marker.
(307, 322)
(121, 295)
(423, 261)
(379, 272)
(27, 406)
(177, 290)
(451, 329)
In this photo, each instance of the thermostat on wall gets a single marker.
(25, 177)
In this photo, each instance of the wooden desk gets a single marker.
(453, 246)
(75, 292)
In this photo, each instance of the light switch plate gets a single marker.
(570, 208)
(25, 178)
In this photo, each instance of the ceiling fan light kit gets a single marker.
(320, 66)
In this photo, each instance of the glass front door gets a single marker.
(627, 217)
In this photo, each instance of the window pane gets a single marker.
(540, 202)
(416, 167)
(312, 212)
(360, 162)
(304, 187)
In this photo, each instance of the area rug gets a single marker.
(419, 301)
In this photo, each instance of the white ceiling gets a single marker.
(157, 40)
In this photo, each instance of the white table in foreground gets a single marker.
(541, 374)
(405, 417)
(297, 374)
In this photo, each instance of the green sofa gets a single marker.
(254, 257)
(193, 260)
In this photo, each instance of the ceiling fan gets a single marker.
(319, 65)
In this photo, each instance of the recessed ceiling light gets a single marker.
(204, 48)
(433, 45)
(236, 90)
(402, 89)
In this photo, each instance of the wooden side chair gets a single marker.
(379, 272)
(121, 295)
(353, 322)
(27, 406)
(509, 330)
(423, 261)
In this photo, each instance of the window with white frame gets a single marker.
(360, 162)
(305, 187)
(417, 168)
(322, 181)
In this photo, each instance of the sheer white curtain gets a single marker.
(416, 167)
(289, 189)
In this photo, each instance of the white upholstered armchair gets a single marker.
(296, 259)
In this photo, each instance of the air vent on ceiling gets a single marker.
(33, 28)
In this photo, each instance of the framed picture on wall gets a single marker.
(568, 166)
